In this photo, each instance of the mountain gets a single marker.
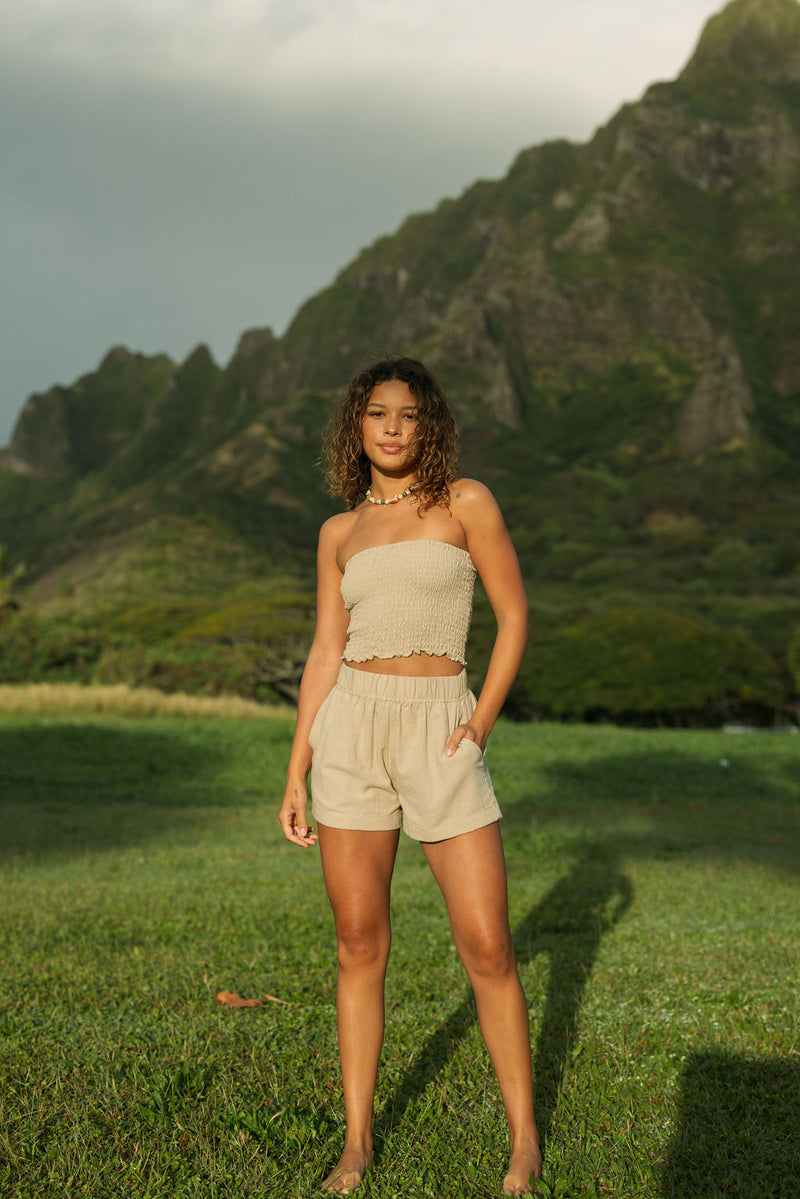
(616, 324)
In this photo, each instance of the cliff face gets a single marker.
(81, 428)
(749, 40)
(671, 238)
(626, 307)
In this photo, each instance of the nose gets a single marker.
(391, 424)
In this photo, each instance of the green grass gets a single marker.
(654, 894)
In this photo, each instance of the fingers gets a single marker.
(453, 744)
(303, 836)
(456, 737)
(297, 831)
(459, 734)
(300, 835)
(292, 817)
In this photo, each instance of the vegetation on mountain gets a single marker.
(9, 579)
(617, 327)
(794, 658)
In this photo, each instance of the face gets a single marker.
(388, 426)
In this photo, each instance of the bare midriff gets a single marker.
(411, 666)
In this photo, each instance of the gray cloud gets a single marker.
(173, 174)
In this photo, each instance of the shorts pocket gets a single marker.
(472, 746)
(316, 724)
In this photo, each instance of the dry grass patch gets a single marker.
(68, 699)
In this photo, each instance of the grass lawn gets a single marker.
(655, 892)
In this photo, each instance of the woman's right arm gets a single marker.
(320, 673)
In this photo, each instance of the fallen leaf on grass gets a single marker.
(231, 999)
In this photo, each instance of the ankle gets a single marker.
(524, 1141)
(361, 1145)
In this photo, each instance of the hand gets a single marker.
(293, 816)
(471, 733)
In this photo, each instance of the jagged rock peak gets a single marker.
(116, 356)
(78, 428)
(757, 38)
(120, 358)
(253, 341)
(200, 356)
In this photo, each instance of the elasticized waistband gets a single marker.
(402, 688)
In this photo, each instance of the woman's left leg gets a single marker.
(470, 870)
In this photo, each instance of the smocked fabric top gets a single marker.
(410, 597)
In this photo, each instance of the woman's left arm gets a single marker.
(496, 562)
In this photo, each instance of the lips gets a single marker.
(390, 447)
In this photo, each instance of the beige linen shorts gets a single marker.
(378, 762)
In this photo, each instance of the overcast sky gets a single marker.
(175, 171)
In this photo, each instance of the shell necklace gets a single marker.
(394, 500)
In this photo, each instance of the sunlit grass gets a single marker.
(655, 893)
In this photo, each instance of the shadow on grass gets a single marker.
(738, 1134)
(674, 804)
(69, 788)
(568, 924)
(656, 804)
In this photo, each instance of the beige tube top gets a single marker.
(409, 597)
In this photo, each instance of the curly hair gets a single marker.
(345, 465)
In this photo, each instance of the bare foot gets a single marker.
(524, 1167)
(349, 1172)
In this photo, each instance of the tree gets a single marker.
(9, 577)
(794, 658)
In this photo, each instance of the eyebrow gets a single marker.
(406, 408)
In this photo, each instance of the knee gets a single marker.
(488, 955)
(362, 944)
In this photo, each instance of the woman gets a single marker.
(398, 738)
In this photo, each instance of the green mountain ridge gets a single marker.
(748, 40)
(616, 326)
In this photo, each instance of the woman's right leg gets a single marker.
(357, 867)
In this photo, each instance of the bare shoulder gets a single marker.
(333, 532)
(489, 544)
(473, 504)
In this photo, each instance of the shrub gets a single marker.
(194, 670)
(649, 665)
(794, 659)
(567, 558)
(255, 621)
(735, 565)
(36, 650)
(152, 623)
(274, 635)
(9, 577)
